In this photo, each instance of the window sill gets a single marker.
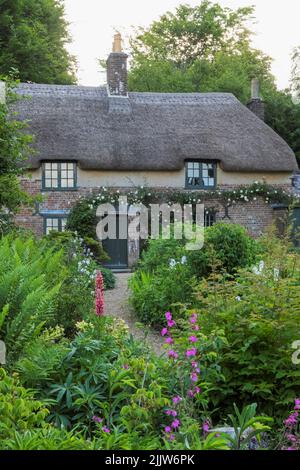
(58, 190)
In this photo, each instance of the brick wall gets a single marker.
(256, 216)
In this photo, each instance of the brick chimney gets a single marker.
(256, 104)
(117, 69)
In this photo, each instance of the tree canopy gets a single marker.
(207, 48)
(33, 35)
(14, 149)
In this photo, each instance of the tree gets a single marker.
(295, 81)
(208, 48)
(14, 149)
(33, 35)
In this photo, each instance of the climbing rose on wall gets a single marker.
(99, 295)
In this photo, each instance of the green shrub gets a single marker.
(229, 244)
(153, 293)
(18, 408)
(253, 321)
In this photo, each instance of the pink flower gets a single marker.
(297, 404)
(193, 339)
(168, 341)
(125, 366)
(171, 323)
(99, 292)
(172, 354)
(175, 424)
(292, 420)
(196, 327)
(168, 315)
(168, 429)
(171, 413)
(194, 377)
(190, 393)
(164, 331)
(205, 427)
(193, 318)
(191, 352)
(171, 437)
(197, 389)
(105, 429)
(96, 419)
(176, 400)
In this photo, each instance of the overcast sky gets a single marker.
(92, 25)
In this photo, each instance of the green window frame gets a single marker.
(200, 174)
(59, 176)
(54, 223)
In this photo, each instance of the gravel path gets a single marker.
(117, 305)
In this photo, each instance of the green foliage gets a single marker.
(165, 276)
(14, 149)
(207, 48)
(30, 281)
(229, 244)
(18, 408)
(254, 320)
(33, 38)
(153, 293)
(246, 426)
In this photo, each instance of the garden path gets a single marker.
(117, 305)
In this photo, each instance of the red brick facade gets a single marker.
(256, 215)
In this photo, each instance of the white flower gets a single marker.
(276, 274)
(172, 263)
(183, 260)
(238, 298)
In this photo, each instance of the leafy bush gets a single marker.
(229, 244)
(30, 281)
(18, 408)
(254, 320)
(155, 292)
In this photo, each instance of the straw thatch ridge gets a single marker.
(148, 131)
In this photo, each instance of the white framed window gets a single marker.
(59, 176)
(200, 175)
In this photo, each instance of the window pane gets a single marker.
(54, 183)
(64, 174)
(63, 224)
(63, 166)
(64, 183)
(54, 166)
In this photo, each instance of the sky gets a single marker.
(93, 23)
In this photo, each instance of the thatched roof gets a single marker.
(148, 131)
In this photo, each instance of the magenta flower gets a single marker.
(191, 352)
(171, 437)
(292, 420)
(168, 315)
(205, 427)
(175, 424)
(99, 297)
(196, 327)
(164, 331)
(176, 400)
(168, 341)
(125, 366)
(96, 419)
(105, 429)
(193, 318)
(168, 429)
(194, 377)
(297, 404)
(171, 323)
(193, 339)
(197, 389)
(173, 354)
(190, 393)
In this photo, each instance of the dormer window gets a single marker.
(200, 175)
(59, 176)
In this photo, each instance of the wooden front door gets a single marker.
(117, 249)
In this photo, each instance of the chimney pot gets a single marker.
(256, 104)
